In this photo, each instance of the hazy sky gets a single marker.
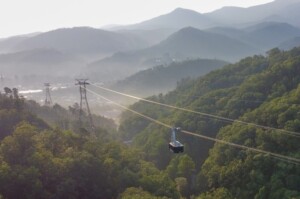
(26, 16)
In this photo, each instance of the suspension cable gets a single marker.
(284, 158)
(291, 133)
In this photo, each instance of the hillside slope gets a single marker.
(261, 90)
(161, 79)
(38, 161)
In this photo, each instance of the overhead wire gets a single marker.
(291, 133)
(284, 158)
(235, 99)
(220, 97)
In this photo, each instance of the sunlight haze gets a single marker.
(21, 17)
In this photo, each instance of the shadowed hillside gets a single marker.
(161, 79)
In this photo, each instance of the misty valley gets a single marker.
(185, 105)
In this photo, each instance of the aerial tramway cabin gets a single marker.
(175, 146)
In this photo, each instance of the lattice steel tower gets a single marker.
(48, 100)
(83, 99)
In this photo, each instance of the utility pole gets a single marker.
(48, 100)
(83, 99)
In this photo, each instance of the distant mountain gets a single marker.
(270, 34)
(234, 33)
(289, 44)
(177, 19)
(39, 62)
(7, 44)
(193, 42)
(272, 26)
(185, 43)
(161, 79)
(278, 10)
(285, 11)
(152, 37)
(228, 34)
(83, 41)
(228, 31)
(263, 36)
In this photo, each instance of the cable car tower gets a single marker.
(48, 100)
(83, 99)
(175, 146)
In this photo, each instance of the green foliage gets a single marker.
(12, 112)
(61, 164)
(261, 90)
(208, 94)
(138, 193)
(51, 163)
(220, 193)
(260, 176)
(181, 166)
(38, 162)
(58, 116)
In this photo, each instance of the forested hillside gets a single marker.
(38, 160)
(258, 89)
(61, 164)
(12, 112)
(47, 159)
(67, 119)
(161, 79)
(221, 113)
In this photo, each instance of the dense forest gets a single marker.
(40, 160)
(260, 89)
(67, 119)
(43, 154)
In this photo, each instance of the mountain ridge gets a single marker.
(186, 43)
(43, 61)
(175, 19)
(81, 40)
(161, 79)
